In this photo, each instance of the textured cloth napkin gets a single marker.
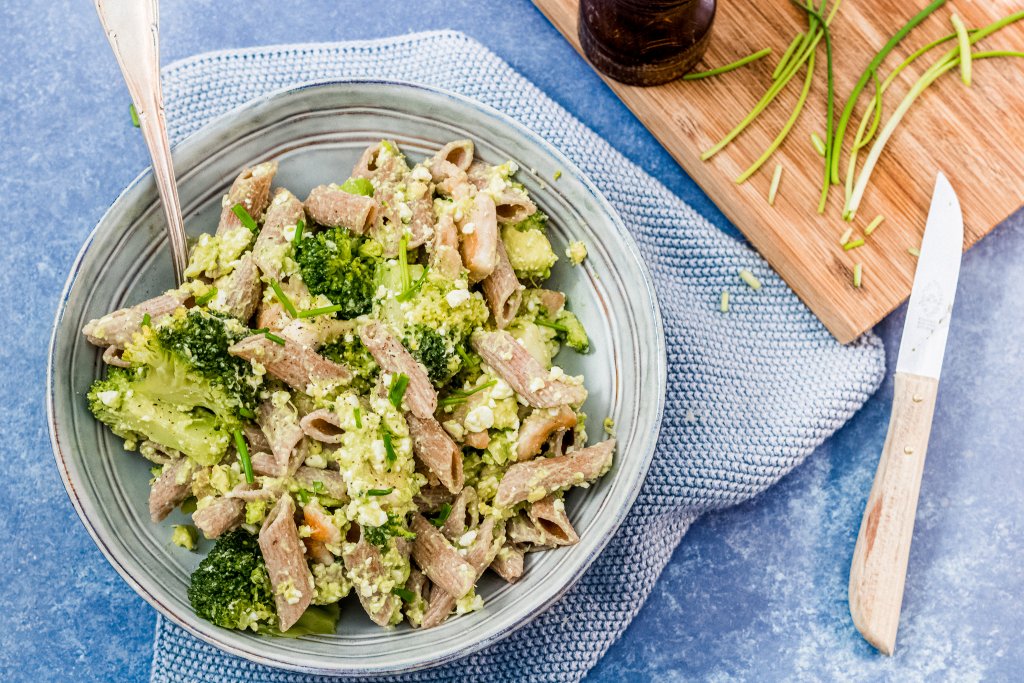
(751, 393)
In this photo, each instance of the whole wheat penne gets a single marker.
(285, 557)
(392, 357)
(271, 316)
(296, 365)
(512, 206)
(509, 563)
(117, 328)
(478, 440)
(284, 212)
(169, 490)
(315, 332)
(458, 153)
(220, 516)
(331, 206)
(538, 427)
(433, 496)
(535, 479)
(439, 560)
(322, 425)
(552, 301)
(113, 355)
(366, 571)
(238, 292)
(523, 373)
(251, 189)
(444, 251)
(418, 585)
(435, 449)
(543, 524)
(480, 238)
(279, 421)
(465, 505)
(328, 482)
(481, 553)
(502, 290)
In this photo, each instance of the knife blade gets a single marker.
(931, 298)
(879, 567)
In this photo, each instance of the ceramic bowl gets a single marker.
(316, 132)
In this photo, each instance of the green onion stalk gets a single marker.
(950, 60)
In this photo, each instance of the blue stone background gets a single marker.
(755, 592)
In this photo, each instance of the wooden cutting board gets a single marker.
(975, 136)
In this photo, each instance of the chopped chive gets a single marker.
(404, 593)
(135, 115)
(146, 320)
(457, 397)
(243, 455)
(207, 297)
(728, 67)
(723, 304)
(285, 301)
(246, 413)
(873, 224)
(826, 182)
(442, 516)
(819, 144)
(552, 324)
(858, 271)
(299, 227)
(323, 310)
(853, 244)
(389, 448)
(846, 237)
(773, 190)
(750, 279)
(913, 251)
(784, 61)
(557, 175)
(380, 492)
(318, 487)
(463, 355)
(403, 262)
(243, 215)
(415, 287)
(965, 49)
(269, 335)
(397, 390)
(777, 142)
(357, 415)
(872, 67)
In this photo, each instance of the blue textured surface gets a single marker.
(757, 591)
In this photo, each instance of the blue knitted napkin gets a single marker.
(751, 393)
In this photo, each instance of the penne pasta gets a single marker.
(220, 516)
(480, 238)
(523, 373)
(322, 425)
(439, 560)
(502, 290)
(513, 206)
(509, 563)
(251, 189)
(458, 153)
(330, 482)
(296, 365)
(279, 420)
(392, 357)
(333, 207)
(479, 555)
(285, 212)
(170, 489)
(537, 478)
(117, 329)
(539, 426)
(444, 251)
(366, 570)
(543, 524)
(284, 555)
(435, 449)
(238, 292)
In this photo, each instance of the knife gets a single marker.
(879, 565)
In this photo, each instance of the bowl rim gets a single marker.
(649, 446)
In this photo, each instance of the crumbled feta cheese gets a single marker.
(467, 538)
(457, 297)
(536, 384)
(478, 419)
(108, 398)
(556, 373)
(468, 228)
(501, 390)
(420, 173)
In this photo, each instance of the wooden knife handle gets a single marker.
(879, 566)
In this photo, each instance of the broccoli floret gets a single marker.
(231, 587)
(430, 349)
(341, 267)
(538, 220)
(183, 389)
(352, 353)
(393, 528)
(573, 333)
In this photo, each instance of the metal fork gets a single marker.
(133, 30)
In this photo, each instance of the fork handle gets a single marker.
(879, 567)
(132, 28)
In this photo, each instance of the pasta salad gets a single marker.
(356, 394)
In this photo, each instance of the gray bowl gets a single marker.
(317, 132)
